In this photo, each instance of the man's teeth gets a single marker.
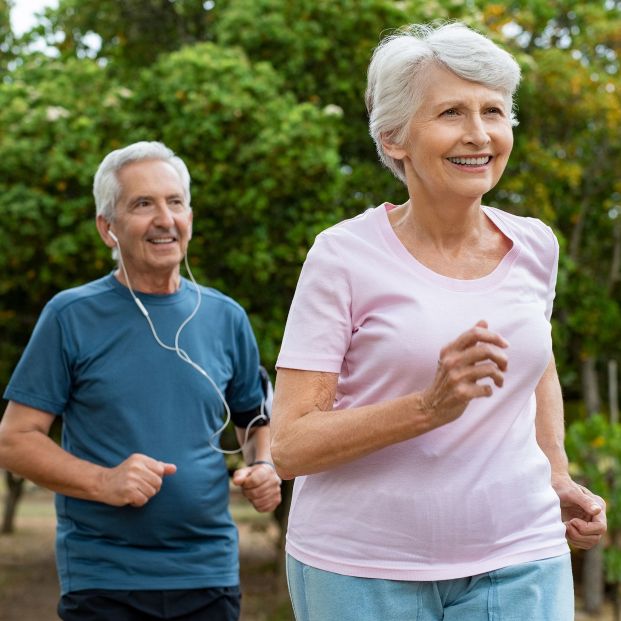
(162, 240)
(470, 161)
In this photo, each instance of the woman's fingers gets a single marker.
(468, 369)
(475, 335)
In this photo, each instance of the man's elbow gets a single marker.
(7, 449)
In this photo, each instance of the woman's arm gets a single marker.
(308, 437)
(582, 511)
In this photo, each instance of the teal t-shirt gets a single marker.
(93, 360)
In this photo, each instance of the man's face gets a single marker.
(153, 222)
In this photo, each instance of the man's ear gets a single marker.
(103, 228)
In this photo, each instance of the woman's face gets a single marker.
(459, 139)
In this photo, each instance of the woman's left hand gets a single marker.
(583, 513)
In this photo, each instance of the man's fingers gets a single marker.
(240, 476)
(137, 479)
(169, 469)
(139, 499)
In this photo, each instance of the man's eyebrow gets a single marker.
(140, 197)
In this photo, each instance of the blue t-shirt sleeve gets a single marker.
(42, 378)
(244, 392)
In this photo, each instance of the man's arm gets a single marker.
(258, 481)
(582, 511)
(27, 450)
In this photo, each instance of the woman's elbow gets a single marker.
(281, 456)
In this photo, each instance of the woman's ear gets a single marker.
(391, 148)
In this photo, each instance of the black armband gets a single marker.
(243, 419)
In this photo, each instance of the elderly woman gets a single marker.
(417, 400)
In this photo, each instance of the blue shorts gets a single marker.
(536, 591)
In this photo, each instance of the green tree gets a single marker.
(128, 34)
(6, 35)
(265, 172)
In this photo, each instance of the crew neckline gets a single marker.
(489, 281)
(150, 298)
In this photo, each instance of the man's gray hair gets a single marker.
(106, 186)
(397, 74)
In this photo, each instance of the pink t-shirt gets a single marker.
(468, 497)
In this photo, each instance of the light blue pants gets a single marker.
(536, 591)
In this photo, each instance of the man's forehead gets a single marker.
(150, 177)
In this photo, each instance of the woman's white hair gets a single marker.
(106, 186)
(397, 76)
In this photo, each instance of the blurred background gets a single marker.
(263, 99)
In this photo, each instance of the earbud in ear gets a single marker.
(113, 236)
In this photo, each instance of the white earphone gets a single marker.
(186, 358)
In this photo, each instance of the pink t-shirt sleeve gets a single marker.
(319, 326)
(553, 273)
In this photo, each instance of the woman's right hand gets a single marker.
(473, 356)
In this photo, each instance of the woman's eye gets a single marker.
(450, 112)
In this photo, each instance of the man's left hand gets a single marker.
(260, 485)
(583, 513)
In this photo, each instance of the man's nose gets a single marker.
(163, 215)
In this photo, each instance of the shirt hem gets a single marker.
(152, 584)
(308, 363)
(447, 572)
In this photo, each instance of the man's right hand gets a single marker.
(134, 481)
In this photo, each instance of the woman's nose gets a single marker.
(475, 131)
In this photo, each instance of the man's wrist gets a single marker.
(258, 462)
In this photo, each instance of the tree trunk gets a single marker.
(616, 593)
(593, 579)
(593, 566)
(613, 391)
(15, 487)
(282, 515)
(590, 386)
(615, 263)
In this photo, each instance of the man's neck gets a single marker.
(157, 284)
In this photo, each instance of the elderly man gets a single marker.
(142, 365)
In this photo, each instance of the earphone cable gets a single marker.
(182, 354)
